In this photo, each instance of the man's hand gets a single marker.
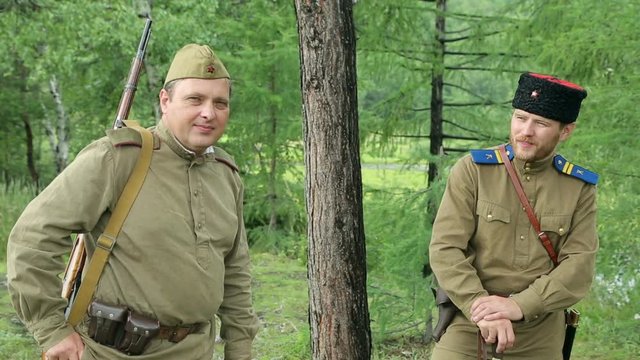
(498, 331)
(70, 348)
(494, 308)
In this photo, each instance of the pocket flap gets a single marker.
(558, 224)
(492, 212)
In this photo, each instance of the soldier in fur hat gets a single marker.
(510, 288)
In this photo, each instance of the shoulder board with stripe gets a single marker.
(562, 165)
(490, 156)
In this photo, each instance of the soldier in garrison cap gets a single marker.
(509, 291)
(181, 258)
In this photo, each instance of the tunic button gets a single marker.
(489, 216)
(195, 193)
(561, 230)
(200, 226)
(528, 177)
(521, 237)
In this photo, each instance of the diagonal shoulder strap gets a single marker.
(107, 240)
(544, 238)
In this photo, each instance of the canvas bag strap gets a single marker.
(544, 238)
(107, 240)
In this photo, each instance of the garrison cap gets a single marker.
(549, 97)
(196, 61)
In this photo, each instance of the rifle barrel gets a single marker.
(130, 88)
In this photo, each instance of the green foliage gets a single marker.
(396, 230)
(13, 199)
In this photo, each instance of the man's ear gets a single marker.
(164, 98)
(566, 131)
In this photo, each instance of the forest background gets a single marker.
(63, 65)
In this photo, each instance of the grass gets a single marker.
(15, 342)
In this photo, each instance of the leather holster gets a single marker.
(446, 311)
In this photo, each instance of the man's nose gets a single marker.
(527, 128)
(208, 111)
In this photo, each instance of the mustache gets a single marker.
(524, 139)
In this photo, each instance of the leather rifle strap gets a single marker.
(107, 240)
(544, 238)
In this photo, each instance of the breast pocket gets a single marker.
(556, 227)
(492, 213)
(493, 230)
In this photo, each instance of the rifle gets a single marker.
(71, 280)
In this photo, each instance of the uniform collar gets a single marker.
(534, 167)
(168, 138)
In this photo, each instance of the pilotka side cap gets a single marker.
(549, 97)
(196, 61)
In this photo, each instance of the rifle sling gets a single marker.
(107, 240)
(544, 238)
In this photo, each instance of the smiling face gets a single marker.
(196, 111)
(534, 137)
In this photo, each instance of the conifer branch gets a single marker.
(480, 69)
(464, 53)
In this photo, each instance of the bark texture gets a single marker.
(338, 312)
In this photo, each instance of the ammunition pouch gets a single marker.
(138, 332)
(446, 312)
(107, 322)
(120, 328)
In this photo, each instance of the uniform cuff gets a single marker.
(50, 332)
(530, 303)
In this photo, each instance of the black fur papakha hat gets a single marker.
(549, 97)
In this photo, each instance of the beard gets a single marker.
(536, 150)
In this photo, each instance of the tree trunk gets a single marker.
(58, 137)
(31, 163)
(436, 135)
(26, 121)
(338, 313)
(273, 163)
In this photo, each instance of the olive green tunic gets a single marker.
(181, 257)
(483, 243)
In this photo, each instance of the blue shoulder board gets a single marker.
(570, 169)
(490, 156)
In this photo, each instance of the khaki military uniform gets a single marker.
(483, 243)
(181, 257)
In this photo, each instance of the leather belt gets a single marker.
(177, 333)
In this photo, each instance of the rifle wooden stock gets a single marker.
(74, 267)
(73, 271)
